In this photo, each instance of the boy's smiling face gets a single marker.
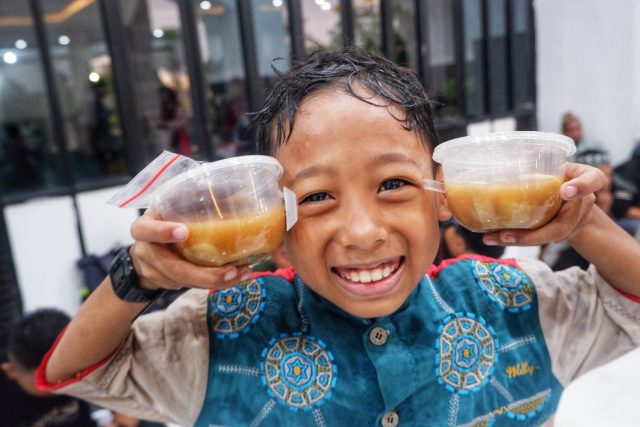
(367, 230)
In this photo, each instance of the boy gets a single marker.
(356, 334)
(21, 403)
(455, 240)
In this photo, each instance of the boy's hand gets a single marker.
(581, 182)
(158, 266)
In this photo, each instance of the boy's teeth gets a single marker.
(365, 277)
(370, 275)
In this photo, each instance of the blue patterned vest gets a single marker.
(465, 349)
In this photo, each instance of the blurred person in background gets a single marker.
(278, 259)
(455, 240)
(21, 159)
(572, 127)
(173, 123)
(626, 179)
(100, 138)
(21, 403)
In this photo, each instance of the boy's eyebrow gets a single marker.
(392, 158)
(311, 172)
(377, 162)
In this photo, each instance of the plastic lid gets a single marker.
(208, 168)
(531, 138)
(236, 161)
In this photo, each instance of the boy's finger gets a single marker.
(581, 181)
(165, 269)
(151, 228)
(569, 219)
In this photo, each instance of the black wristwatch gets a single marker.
(126, 284)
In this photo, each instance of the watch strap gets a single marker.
(125, 281)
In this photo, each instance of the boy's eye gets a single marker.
(316, 197)
(392, 184)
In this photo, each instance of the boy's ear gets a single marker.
(443, 207)
(9, 370)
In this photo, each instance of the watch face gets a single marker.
(117, 274)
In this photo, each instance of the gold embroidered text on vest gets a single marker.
(521, 369)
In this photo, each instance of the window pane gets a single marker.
(84, 82)
(321, 25)
(272, 37)
(404, 34)
(522, 56)
(368, 25)
(29, 159)
(442, 57)
(497, 57)
(173, 119)
(474, 57)
(221, 47)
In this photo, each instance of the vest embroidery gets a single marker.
(508, 286)
(234, 310)
(467, 353)
(298, 371)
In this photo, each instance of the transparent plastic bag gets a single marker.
(137, 192)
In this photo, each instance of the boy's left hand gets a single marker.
(576, 211)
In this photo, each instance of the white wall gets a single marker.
(588, 62)
(45, 244)
(104, 226)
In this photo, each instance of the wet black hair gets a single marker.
(343, 70)
(34, 335)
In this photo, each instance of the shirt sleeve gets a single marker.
(159, 373)
(585, 321)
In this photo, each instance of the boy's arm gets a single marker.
(99, 327)
(590, 231)
(104, 320)
(159, 371)
(613, 251)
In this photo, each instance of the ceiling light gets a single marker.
(205, 5)
(325, 6)
(94, 77)
(64, 40)
(21, 44)
(320, 1)
(10, 58)
(158, 33)
(277, 3)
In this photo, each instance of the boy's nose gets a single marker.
(363, 228)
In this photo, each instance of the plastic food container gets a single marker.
(233, 208)
(505, 179)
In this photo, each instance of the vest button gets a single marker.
(378, 335)
(390, 419)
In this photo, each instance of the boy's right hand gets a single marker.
(159, 266)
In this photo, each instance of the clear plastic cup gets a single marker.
(233, 208)
(505, 179)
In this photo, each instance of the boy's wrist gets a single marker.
(592, 223)
(125, 281)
